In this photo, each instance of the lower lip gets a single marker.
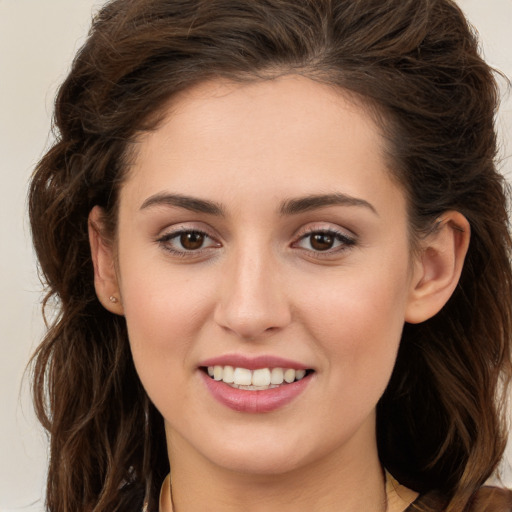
(255, 401)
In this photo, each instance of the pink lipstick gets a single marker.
(254, 384)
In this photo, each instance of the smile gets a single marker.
(257, 390)
(255, 380)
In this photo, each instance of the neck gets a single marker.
(398, 497)
(348, 482)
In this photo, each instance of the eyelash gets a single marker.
(166, 240)
(344, 242)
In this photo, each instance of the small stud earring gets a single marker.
(113, 299)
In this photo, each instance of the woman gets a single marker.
(279, 246)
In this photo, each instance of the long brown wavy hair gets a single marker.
(416, 64)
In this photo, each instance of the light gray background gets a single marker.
(37, 41)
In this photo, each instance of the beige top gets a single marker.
(165, 495)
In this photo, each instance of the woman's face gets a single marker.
(260, 230)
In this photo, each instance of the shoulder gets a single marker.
(491, 499)
(486, 499)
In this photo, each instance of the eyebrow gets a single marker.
(288, 207)
(181, 201)
(314, 202)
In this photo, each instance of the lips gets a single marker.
(255, 385)
(253, 363)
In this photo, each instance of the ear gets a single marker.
(105, 276)
(438, 267)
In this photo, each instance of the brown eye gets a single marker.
(328, 241)
(192, 240)
(322, 241)
(188, 243)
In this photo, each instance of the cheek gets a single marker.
(357, 316)
(164, 311)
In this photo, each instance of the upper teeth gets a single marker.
(261, 377)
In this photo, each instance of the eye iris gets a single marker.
(192, 240)
(322, 241)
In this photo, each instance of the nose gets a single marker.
(253, 301)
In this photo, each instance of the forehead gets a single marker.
(289, 135)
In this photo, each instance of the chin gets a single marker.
(262, 464)
(263, 456)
